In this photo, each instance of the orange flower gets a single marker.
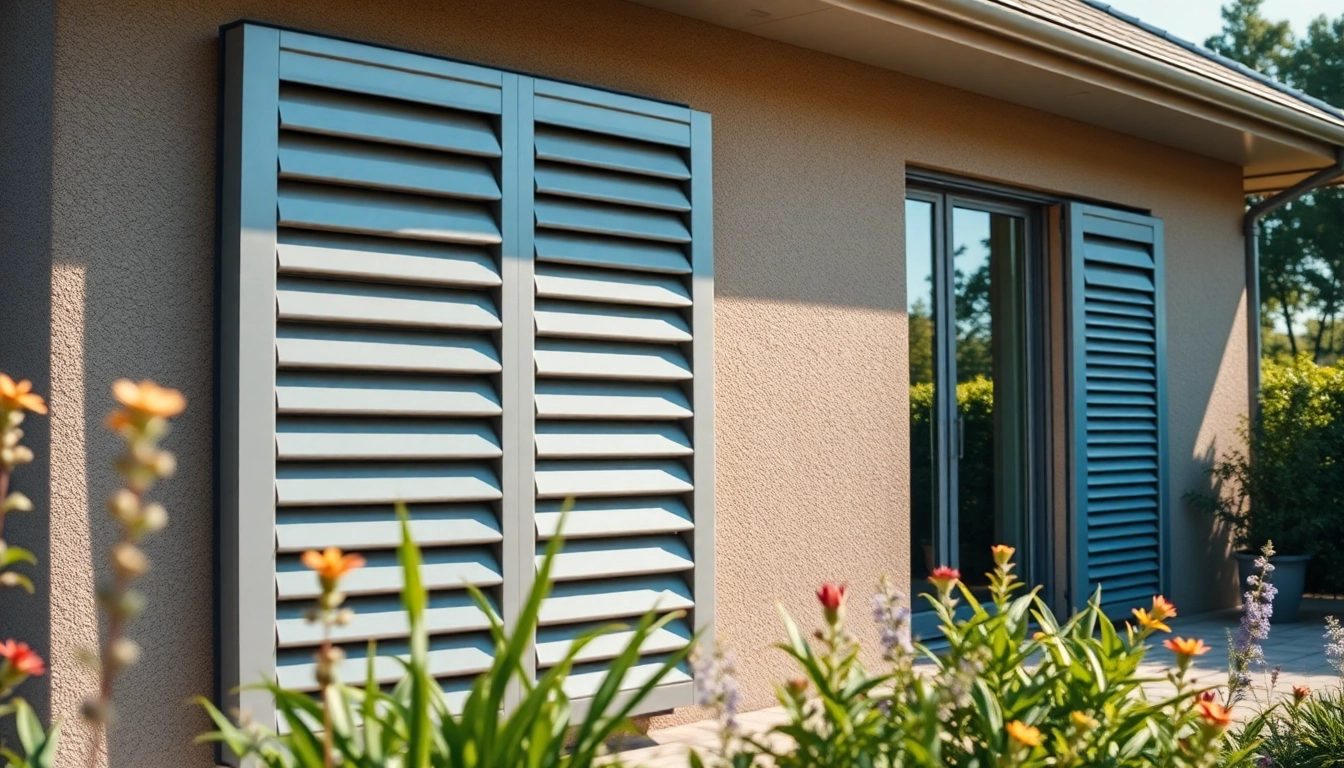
(20, 396)
(331, 564)
(943, 576)
(1300, 692)
(1213, 714)
(1002, 553)
(1191, 647)
(1023, 734)
(19, 657)
(1163, 609)
(148, 398)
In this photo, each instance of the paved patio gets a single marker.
(1297, 647)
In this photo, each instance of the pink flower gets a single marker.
(20, 658)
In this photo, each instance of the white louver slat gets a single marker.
(480, 294)
(1119, 378)
(616, 190)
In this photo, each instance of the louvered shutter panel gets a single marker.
(623, 396)
(379, 275)
(478, 293)
(1118, 381)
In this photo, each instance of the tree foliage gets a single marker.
(1302, 244)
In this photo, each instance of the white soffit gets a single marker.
(917, 44)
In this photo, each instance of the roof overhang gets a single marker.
(999, 52)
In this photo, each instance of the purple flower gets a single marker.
(716, 685)
(1334, 644)
(1257, 606)
(893, 620)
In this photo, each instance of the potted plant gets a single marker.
(1280, 486)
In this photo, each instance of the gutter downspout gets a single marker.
(1250, 230)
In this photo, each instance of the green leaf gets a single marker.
(19, 580)
(11, 555)
(413, 597)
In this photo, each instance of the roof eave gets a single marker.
(1316, 134)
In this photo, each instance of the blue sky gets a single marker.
(1195, 20)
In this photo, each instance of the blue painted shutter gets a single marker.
(478, 293)
(622, 319)
(1118, 382)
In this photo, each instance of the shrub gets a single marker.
(1001, 693)
(1288, 484)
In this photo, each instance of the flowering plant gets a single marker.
(412, 725)
(141, 420)
(1000, 694)
(1306, 729)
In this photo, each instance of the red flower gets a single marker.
(1208, 696)
(20, 658)
(944, 575)
(832, 596)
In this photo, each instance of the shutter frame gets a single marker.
(246, 367)
(1106, 231)
(320, 310)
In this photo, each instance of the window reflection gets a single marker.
(919, 287)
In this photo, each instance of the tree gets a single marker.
(1250, 38)
(1302, 244)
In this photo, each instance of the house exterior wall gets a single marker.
(810, 158)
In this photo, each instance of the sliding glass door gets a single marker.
(969, 283)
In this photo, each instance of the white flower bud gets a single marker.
(164, 464)
(155, 518)
(124, 506)
(125, 652)
(128, 560)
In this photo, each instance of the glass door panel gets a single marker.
(988, 294)
(966, 299)
(920, 257)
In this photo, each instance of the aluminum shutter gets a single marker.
(623, 404)
(1118, 386)
(476, 292)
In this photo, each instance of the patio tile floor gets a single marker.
(1298, 648)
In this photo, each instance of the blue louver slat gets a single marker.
(1119, 397)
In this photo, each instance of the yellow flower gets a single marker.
(1150, 622)
(1183, 647)
(1082, 721)
(1024, 734)
(20, 396)
(148, 398)
(331, 564)
(1002, 553)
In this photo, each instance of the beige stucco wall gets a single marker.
(810, 157)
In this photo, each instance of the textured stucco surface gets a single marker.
(810, 156)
